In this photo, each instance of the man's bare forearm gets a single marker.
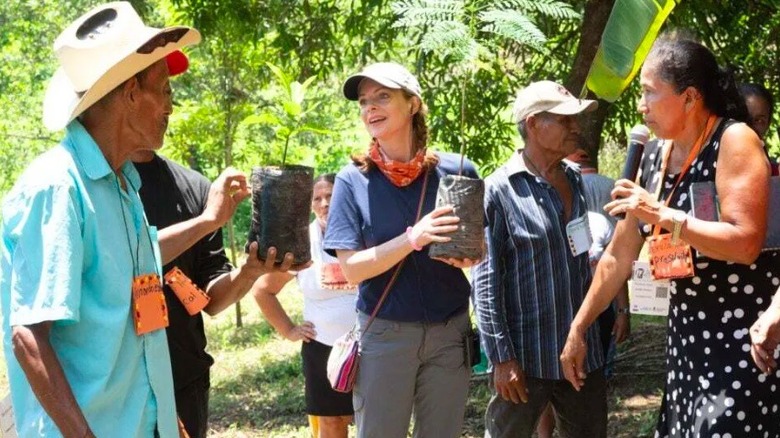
(180, 237)
(36, 356)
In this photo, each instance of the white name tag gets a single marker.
(7, 427)
(648, 296)
(578, 234)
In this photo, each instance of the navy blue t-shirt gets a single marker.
(367, 210)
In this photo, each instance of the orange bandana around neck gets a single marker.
(399, 173)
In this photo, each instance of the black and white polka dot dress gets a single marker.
(713, 388)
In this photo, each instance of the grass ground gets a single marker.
(257, 388)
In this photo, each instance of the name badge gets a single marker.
(191, 296)
(578, 234)
(150, 312)
(668, 260)
(332, 277)
(7, 427)
(648, 296)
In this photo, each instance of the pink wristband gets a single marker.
(411, 240)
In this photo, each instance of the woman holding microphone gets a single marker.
(719, 280)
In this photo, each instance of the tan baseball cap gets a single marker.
(550, 97)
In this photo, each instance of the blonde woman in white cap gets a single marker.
(82, 306)
(382, 216)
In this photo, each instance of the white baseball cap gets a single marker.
(550, 97)
(388, 74)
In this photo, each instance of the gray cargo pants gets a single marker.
(410, 367)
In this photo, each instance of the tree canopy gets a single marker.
(268, 73)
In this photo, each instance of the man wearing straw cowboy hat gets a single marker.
(80, 294)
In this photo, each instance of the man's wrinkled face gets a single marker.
(556, 132)
(154, 105)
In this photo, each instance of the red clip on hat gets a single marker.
(177, 62)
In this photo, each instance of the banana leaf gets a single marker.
(631, 30)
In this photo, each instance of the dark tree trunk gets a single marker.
(593, 22)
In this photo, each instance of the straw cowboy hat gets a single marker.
(99, 51)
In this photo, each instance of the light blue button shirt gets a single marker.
(66, 259)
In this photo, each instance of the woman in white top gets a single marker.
(328, 313)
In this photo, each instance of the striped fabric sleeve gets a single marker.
(489, 289)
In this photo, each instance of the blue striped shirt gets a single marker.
(529, 286)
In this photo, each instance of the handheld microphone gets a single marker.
(636, 147)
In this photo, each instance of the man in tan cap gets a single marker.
(82, 304)
(536, 272)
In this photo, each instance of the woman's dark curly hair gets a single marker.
(686, 63)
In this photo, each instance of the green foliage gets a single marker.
(461, 43)
(450, 38)
(489, 131)
(450, 27)
(513, 25)
(229, 79)
(26, 64)
(241, 111)
(551, 8)
(414, 13)
(611, 158)
(288, 114)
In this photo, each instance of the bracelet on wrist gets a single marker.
(624, 311)
(415, 246)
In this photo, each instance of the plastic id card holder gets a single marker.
(648, 296)
(578, 235)
(332, 277)
(669, 260)
(150, 312)
(7, 426)
(191, 296)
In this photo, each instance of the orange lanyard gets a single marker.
(686, 165)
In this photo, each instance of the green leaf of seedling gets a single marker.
(297, 93)
(292, 108)
(311, 108)
(280, 75)
(308, 82)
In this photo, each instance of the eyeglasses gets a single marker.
(162, 40)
